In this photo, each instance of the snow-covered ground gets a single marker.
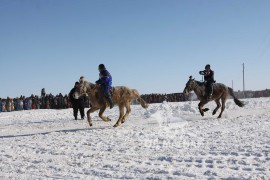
(167, 141)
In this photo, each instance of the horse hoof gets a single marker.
(205, 110)
(123, 122)
(214, 113)
(90, 124)
(109, 119)
(219, 117)
(115, 125)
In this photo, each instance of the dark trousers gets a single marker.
(209, 88)
(106, 90)
(75, 111)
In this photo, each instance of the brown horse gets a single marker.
(121, 95)
(220, 91)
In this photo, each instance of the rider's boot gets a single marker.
(109, 99)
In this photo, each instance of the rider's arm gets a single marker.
(201, 73)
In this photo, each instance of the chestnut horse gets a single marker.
(121, 95)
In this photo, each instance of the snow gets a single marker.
(167, 141)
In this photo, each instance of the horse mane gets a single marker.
(90, 84)
(200, 83)
(87, 82)
(90, 87)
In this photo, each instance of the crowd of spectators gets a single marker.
(180, 97)
(253, 94)
(49, 101)
(159, 98)
(45, 101)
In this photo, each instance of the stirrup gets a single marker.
(110, 102)
(111, 106)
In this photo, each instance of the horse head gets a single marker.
(189, 85)
(85, 87)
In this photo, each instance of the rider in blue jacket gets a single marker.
(105, 80)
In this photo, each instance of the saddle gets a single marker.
(111, 91)
(209, 88)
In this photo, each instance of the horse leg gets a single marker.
(200, 105)
(127, 113)
(88, 115)
(121, 109)
(218, 106)
(100, 114)
(223, 100)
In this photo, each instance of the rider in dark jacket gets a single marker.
(209, 80)
(77, 102)
(105, 80)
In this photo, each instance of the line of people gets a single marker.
(159, 98)
(38, 102)
(18, 104)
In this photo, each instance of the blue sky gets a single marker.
(150, 45)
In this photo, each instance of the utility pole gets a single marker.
(244, 79)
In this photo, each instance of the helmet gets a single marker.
(101, 66)
(207, 66)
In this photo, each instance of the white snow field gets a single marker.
(167, 141)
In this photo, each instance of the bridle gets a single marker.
(191, 85)
(87, 88)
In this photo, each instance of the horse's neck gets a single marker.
(90, 86)
(199, 90)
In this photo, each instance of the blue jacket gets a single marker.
(0, 106)
(105, 78)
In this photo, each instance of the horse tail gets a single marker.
(237, 101)
(139, 99)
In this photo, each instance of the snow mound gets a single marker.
(166, 116)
